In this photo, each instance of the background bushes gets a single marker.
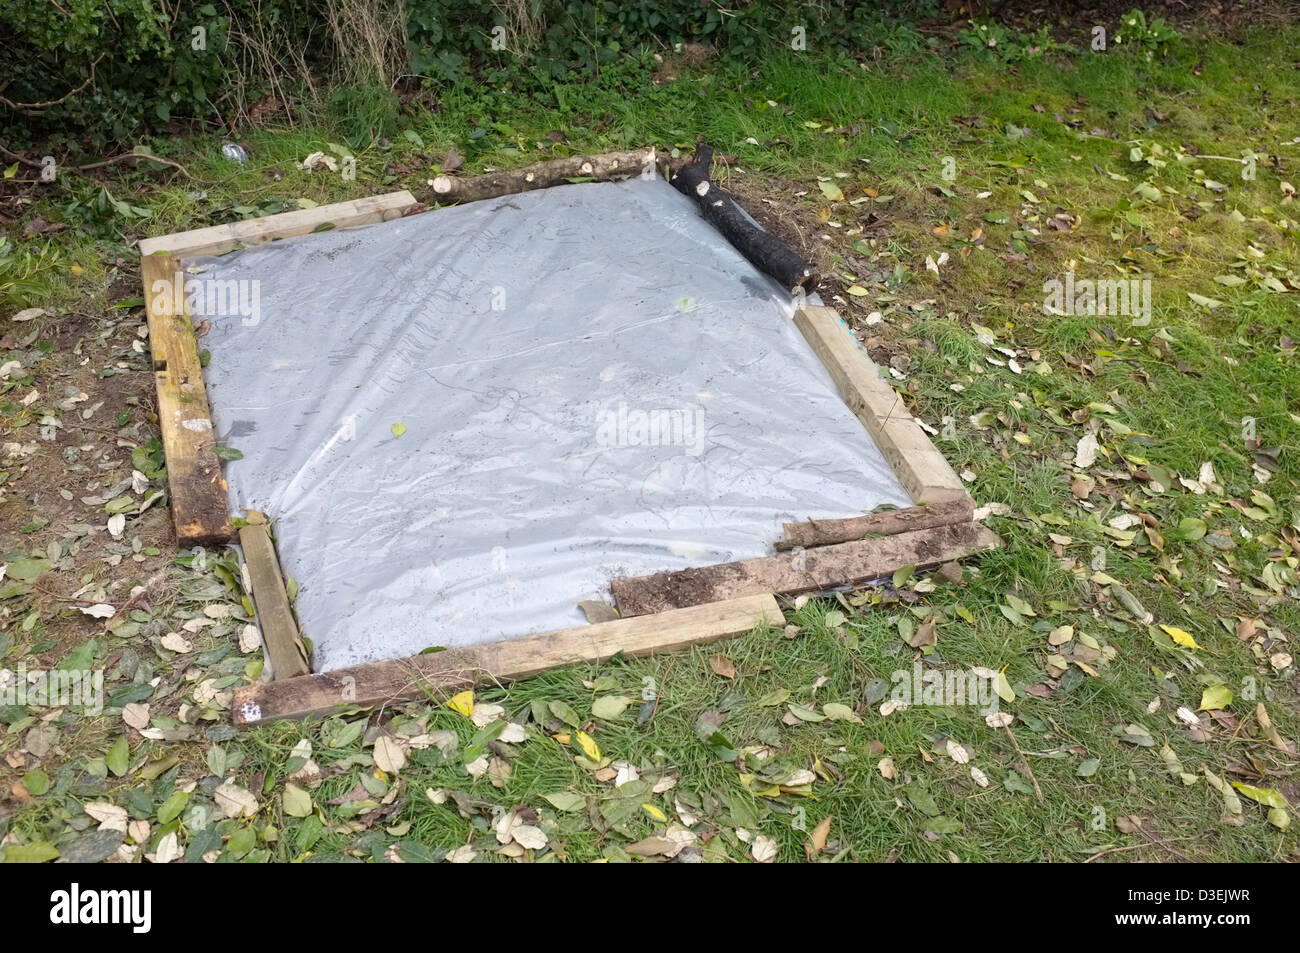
(135, 65)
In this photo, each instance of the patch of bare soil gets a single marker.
(83, 519)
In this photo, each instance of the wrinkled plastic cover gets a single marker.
(466, 421)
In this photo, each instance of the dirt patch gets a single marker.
(70, 431)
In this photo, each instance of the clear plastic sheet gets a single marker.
(466, 421)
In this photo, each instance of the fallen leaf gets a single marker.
(722, 666)
(235, 801)
(296, 801)
(389, 756)
(136, 715)
(817, 840)
(1085, 452)
(764, 849)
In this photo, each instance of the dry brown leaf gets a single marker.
(722, 666)
(817, 840)
(924, 634)
(597, 611)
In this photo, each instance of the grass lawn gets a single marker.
(1141, 468)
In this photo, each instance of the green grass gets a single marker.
(1170, 394)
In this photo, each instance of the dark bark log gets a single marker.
(764, 251)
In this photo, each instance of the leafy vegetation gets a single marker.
(1139, 624)
(114, 71)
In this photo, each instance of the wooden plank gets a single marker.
(442, 673)
(810, 570)
(885, 523)
(219, 239)
(920, 467)
(284, 648)
(194, 481)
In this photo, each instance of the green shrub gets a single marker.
(98, 71)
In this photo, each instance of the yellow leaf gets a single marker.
(1215, 698)
(1180, 636)
(463, 703)
(654, 812)
(588, 745)
(1004, 687)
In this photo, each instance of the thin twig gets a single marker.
(1112, 850)
(135, 599)
(112, 433)
(29, 107)
(1025, 763)
(57, 595)
(1116, 850)
(33, 164)
(660, 693)
(136, 155)
(1156, 840)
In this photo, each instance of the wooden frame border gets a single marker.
(662, 612)
(919, 466)
(817, 569)
(219, 239)
(442, 673)
(280, 634)
(195, 485)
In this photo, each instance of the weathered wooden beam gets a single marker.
(809, 570)
(219, 239)
(284, 647)
(443, 673)
(194, 481)
(884, 523)
(918, 464)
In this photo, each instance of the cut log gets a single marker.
(764, 250)
(612, 166)
(887, 523)
(444, 673)
(812, 570)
